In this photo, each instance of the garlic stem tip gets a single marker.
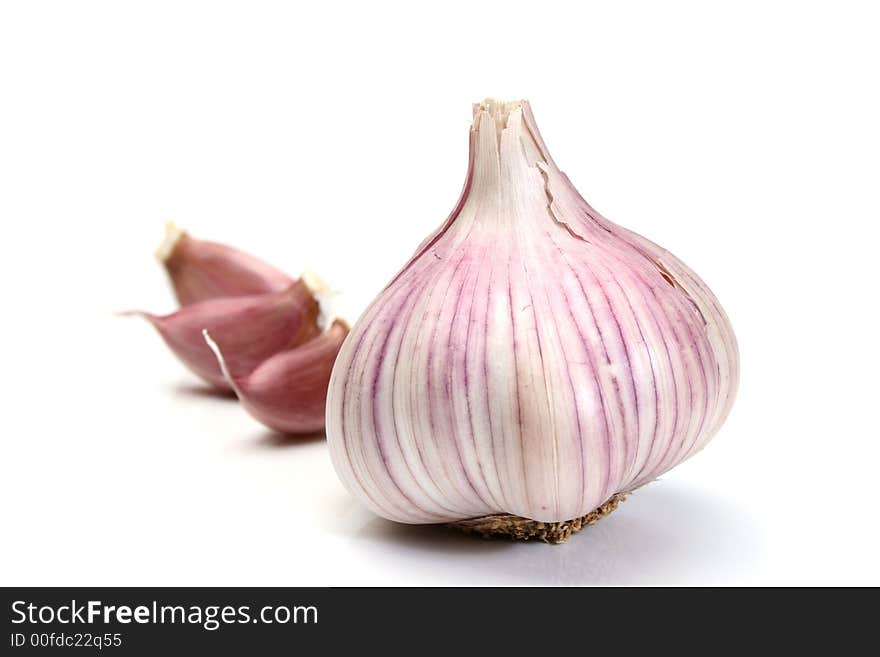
(314, 282)
(499, 110)
(173, 235)
(324, 295)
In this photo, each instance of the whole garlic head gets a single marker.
(531, 359)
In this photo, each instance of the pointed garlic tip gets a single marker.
(250, 330)
(288, 391)
(324, 295)
(499, 109)
(132, 313)
(173, 235)
(532, 362)
(497, 112)
(201, 270)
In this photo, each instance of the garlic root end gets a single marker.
(523, 529)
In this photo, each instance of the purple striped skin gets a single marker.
(288, 391)
(250, 328)
(532, 357)
(201, 270)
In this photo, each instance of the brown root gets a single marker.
(504, 525)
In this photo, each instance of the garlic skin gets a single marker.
(251, 329)
(288, 391)
(532, 358)
(201, 270)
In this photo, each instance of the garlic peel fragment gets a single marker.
(532, 358)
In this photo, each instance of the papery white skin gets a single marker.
(532, 358)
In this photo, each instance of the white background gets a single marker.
(742, 136)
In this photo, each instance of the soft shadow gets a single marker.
(203, 391)
(430, 538)
(662, 534)
(275, 439)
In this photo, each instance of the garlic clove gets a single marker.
(288, 391)
(251, 328)
(201, 270)
(533, 362)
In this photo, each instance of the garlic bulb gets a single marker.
(201, 270)
(532, 362)
(288, 391)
